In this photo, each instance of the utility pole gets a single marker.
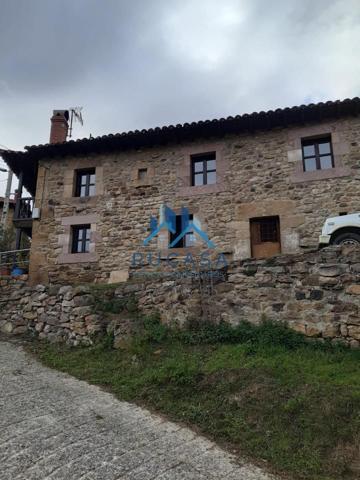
(5, 209)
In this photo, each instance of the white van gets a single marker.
(341, 230)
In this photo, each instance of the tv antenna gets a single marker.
(75, 116)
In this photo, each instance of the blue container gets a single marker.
(17, 271)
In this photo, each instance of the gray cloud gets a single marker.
(136, 64)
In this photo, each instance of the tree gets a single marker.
(7, 237)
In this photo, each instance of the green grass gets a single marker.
(263, 391)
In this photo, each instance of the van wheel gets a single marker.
(347, 238)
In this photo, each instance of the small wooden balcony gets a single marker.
(23, 213)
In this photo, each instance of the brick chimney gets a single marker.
(59, 126)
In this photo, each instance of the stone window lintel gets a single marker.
(64, 239)
(339, 147)
(70, 178)
(184, 170)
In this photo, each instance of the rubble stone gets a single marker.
(292, 289)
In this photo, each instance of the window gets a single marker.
(317, 154)
(142, 173)
(203, 169)
(266, 229)
(265, 237)
(188, 240)
(81, 239)
(85, 183)
(269, 230)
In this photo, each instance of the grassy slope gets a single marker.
(295, 405)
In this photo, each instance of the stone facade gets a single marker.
(316, 293)
(259, 175)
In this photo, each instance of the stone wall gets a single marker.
(259, 174)
(64, 314)
(317, 293)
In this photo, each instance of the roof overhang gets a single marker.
(22, 162)
(280, 118)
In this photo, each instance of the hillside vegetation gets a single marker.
(264, 392)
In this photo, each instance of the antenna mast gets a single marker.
(75, 116)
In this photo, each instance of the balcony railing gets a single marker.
(14, 259)
(24, 208)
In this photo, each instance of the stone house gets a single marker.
(258, 185)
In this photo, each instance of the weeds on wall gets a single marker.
(199, 331)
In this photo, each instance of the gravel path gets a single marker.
(53, 426)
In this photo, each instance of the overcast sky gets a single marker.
(134, 64)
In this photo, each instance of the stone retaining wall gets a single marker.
(317, 293)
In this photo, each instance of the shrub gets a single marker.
(266, 334)
(115, 305)
(152, 330)
(279, 334)
(103, 341)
